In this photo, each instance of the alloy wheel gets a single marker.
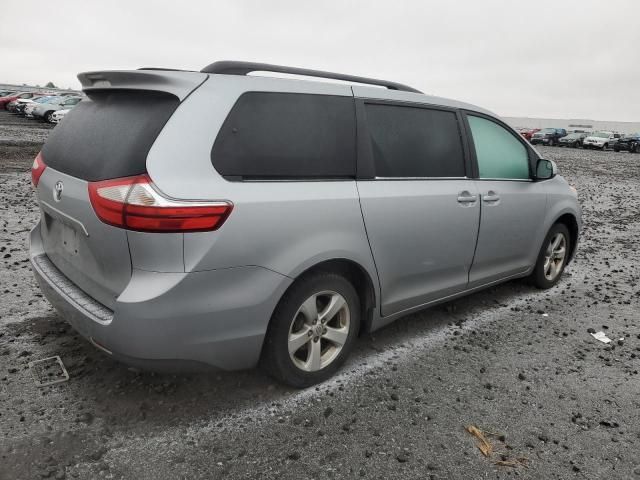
(554, 256)
(319, 331)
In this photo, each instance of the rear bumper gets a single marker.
(217, 317)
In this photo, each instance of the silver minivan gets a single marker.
(231, 219)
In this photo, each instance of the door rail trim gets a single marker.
(463, 293)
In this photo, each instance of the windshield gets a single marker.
(42, 99)
(601, 134)
(548, 130)
(573, 135)
(632, 135)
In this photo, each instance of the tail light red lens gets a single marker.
(133, 203)
(37, 169)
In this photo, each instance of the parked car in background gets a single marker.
(58, 115)
(548, 136)
(11, 106)
(237, 253)
(4, 93)
(4, 101)
(616, 138)
(601, 140)
(628, 143)
(572, 140)
(17, 106)
(45, 111)
(528, 132)
(26, 108)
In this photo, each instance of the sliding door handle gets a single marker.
(466, 197)
(491, 196)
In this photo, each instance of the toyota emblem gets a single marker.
(57, 191)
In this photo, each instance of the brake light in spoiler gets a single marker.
(135, 204)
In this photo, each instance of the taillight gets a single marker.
(37, 169)
(135, 204)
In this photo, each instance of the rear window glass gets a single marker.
(109, 134)
(271, 135)
(415, 142)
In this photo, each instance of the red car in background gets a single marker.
(15, 96)
(528, 132)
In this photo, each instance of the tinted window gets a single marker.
(109, 135)
(414, 142)
(287, 135)
(500, 154)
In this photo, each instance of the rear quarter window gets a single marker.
(271, 135)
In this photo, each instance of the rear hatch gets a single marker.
(106, 136)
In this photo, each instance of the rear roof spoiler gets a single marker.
(228, 67)
(180, 84)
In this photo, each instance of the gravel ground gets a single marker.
(512, 360)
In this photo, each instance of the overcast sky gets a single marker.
(555, 58)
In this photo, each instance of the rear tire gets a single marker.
(552, 258)
(312, 330)
(49, 117)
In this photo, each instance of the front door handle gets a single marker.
(466, 197)
(491, 196)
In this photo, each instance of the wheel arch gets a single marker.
(359, 277)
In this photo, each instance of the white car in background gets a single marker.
(59, 115)
(22, 103)
(45, 111)
(601, 140)
(28, 110)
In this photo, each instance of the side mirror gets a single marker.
(546, 169)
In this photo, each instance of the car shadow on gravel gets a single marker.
(120, 396)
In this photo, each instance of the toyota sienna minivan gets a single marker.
(225, 218)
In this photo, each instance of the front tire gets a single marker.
(552, 258)
(312, 330)
(49, 117)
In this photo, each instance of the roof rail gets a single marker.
(230, 67)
